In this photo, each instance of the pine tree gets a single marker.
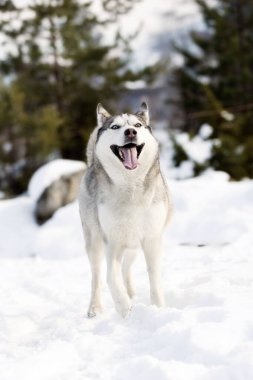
(217, 83)
(61, 68)
(25, 138)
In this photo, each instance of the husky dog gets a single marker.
(124, 205)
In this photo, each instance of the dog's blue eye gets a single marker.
(115, 126)
(138, 125)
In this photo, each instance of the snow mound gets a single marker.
(17, 227)
(210, 210)
(50, 172)
(59, 229)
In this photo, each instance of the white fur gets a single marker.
(125, 216)
(112, 164)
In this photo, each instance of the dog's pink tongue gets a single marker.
(130, 158)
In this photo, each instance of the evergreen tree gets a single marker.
(59, 68)
(217, 83)
(25, 138)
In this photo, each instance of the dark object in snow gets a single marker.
(59, 193)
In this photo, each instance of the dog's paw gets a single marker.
(125, 312)
(93, 311)
(131, 291)
(158, 300)
(124, 308)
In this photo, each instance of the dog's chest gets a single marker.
(128, 217)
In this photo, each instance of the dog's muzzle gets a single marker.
(128, 154)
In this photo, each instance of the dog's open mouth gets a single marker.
(128, 154)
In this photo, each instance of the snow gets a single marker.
(50, 172)
(157, 21)
(228, 116)
(17, 215)
(204, 333)
(184, 170)
(211, 210)
(198, 150)
(205, 131)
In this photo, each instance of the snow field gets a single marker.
(206, 331)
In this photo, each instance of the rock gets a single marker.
(61, 192)
(54, 185)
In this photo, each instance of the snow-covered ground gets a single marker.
(205, 332)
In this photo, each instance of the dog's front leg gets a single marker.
(95, 255)
(115, 281)
(128, 259)
(152, 251)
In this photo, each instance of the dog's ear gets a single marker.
(143, 113)
(102, 115)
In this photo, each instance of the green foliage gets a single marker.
(57, 70)
(216, 76)
(26, 138)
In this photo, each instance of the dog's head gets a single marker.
(125, 140)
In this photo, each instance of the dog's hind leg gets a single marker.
(152, 251)
(128, 259)
(115, 280)
(95, 255)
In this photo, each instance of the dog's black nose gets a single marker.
(130, 132)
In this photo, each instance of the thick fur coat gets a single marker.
(124, 206)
